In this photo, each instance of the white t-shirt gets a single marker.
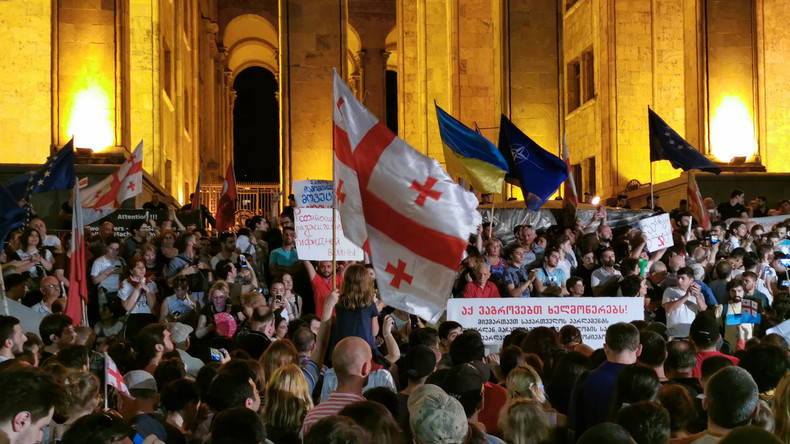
(111, 282)
(126, 289)
(679, 321)
(601, 277)
(35, 271)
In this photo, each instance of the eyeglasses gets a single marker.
(180, 288)
(50, 286)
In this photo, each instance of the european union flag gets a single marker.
(538, 172)
(11, 214)
(465, 149)
(56, 174)
(666, 144)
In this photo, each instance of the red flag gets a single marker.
(78, 274)
(226, 208)
(113, 377)
(697, 204)
(401, 207)
(196, 197)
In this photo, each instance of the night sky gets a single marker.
(256, 126)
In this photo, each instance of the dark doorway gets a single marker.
(392, 101)
(256, 126)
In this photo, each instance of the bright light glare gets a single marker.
(596, 200)
(732, 130)
(90, 121)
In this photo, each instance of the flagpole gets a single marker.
(105, 380)
(2, 290)
(491, 220)
(652, 199)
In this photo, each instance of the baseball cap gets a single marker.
(140, 380)
(704, 329)
(179, 333)
(436, 417)
(419, 362)
(465, 383)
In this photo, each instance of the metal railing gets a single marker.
(251, 199)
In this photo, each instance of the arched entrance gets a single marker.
(256, 126)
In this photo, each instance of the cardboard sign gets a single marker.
(314, 193)
(314, 236)
(658, 230)
(496, 318)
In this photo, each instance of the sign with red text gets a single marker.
(313, 193)
(658, 230)
(496, 318)
(314, 236)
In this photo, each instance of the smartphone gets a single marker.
(278, 298)
(714, 239)
(215, 354)
(242, 261)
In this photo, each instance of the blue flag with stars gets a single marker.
(666, 144)
(11, 214)
(538, 172)
(56, 174)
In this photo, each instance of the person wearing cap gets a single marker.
(352, 364)
(179, 335)
(466, 383)
(705, 335)
(138, 408)
(418, 363)
(436, 417)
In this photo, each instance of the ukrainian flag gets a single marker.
(468, 152)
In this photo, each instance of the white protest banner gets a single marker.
(658, 230)
(766, 222)
(314, 236)
(313, 193)
(495, 318)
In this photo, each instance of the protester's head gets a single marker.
(357, 289)
(336, 429)
(681, 358)
(376, 420)
(525, 382)
(182, 396)
(304, 340)
(767, 364)
(238, 425)
(436, 417)
(677, 400)
(229, 390)
(467, 347)
(278, 354)
(57, 330)
(633, 285)
(448, 331)
(526, 422)
(622, 337)
(634, 383)
(418, 363)
(711, 365)
(607, 432)
(351, 358)
(423, 336)
(575, 286)
(647, 422)
(225, 270)
(75, 357)
(151, 341)
(704, 331)
(465, 383)
(654, 349)
(98, 428)
(287, 398)
(731, 398)
(30, 397)
(12, 338)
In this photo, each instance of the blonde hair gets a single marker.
(287, 398)
(526, 423)
(278, 354)
(252, 299)
(219, 285)
(781, 409)
(81, 389)
(356, 292)
(524, 382)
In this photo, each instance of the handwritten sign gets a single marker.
(658, 231)
(314, 236)
(313, 193)
(496, 318)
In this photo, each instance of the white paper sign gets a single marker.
(314, 236)
(658, 230)
(495, 318)
(313, 193)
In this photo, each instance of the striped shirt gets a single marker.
(331, 406)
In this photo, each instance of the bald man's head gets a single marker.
(351, 357)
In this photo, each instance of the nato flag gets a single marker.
(538, 172)
(56, 174)
(666, 144)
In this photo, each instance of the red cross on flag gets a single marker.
(113, 377)
(106, 196)
(401, 207)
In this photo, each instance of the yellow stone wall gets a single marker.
(775, 84)
(25, 112)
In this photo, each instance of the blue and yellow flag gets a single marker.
(464, 149)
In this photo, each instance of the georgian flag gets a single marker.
(401, 207)
(106, 196)
(112, 376)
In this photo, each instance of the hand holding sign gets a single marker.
(658, 231)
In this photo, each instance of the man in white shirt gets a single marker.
(683, 303)
(106, 270)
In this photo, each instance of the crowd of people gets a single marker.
(231, 338)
